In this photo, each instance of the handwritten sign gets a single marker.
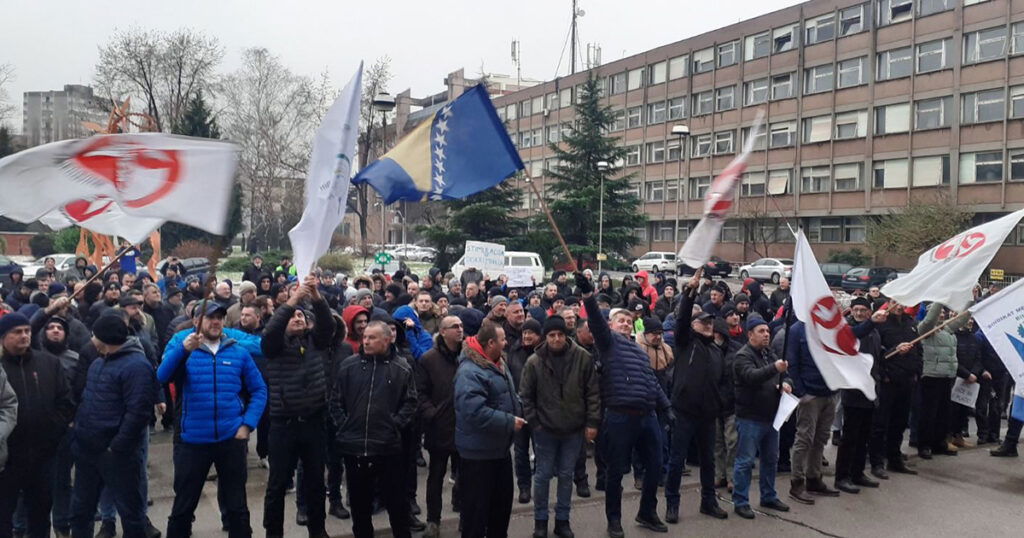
(965, 393)
(487, 257)
(519, 277)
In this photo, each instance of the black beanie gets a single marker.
(554, 323)
(531, 325)
(111, 330)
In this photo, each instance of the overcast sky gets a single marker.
(54, 42)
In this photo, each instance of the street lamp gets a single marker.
(681, 132)
(602, 167)
(383, 102)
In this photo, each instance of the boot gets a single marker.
(583, 490)
(879, 472)
(524, 495)
(339, 511)
(899, 466)
(651, 522)
(672, 514)
(958, 441)
(151, 531)
(615, 529)
(798, 492)
(540, 528)
(415, 524)
(1004, 451)
(433, 530)
(864, 482)
(301, 519)
(107, 530)
(563, 530)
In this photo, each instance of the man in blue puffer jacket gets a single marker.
(419, 339)
(211, 370)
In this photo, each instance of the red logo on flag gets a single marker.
(959, 246)
(836, 335)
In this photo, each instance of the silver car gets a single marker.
(771, 269)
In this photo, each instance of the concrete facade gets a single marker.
(49, 116)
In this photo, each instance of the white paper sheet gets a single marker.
(787, 404)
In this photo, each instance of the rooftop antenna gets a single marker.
(593, 55)
(576, 13)
(516, 60)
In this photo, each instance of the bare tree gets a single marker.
(375, 80)
(6, 108)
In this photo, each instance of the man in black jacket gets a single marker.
(297, 380)
(516, 355)
(697, 385)
(899, 378)
(373, 400)
(255, 270)
(758, 376)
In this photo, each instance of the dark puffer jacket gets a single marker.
(896, 330)
(435, 388)
(45, 406)
(698, 384)
(870, 343)
(757, 384)
(807, 378)
(297, 366)
(373, 400)
(561, 402)
(486, 405)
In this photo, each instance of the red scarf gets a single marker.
(474, 344)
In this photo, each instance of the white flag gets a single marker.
(330, 173)
(833, 345)
(948, 272)
(718, 201)
(151, 175)
(104, 217)
(1001, 318)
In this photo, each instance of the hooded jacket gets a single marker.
(647, 291)
(435, 390)
(8, 415)
(296, 371)
(870, 343)
(562, 401)
(45, 406)
(486, 405)
(348, 316)
(759, 301)
(418, 337)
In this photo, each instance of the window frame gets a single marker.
(972, 106)
(918, 166)
(854, 28)
(842, 68)
(652, 112)
(779, 47)
(750, 91)
(861, 124)
(633, 156)
(890, 165)
(700, 65)
(837, 177)
(943, 110)
(943, 54)
(815, 176)
(789, 84)
(884, 121)
(820, 124)
(735, 53)
(790, 132)
(885, 61)
(699, 100)
(720, 96)
(634, 117)
(977, 47)
(813, 25)
(728, 138)
(753, 42)
(814, 77)
(652, 149)
(701, 145)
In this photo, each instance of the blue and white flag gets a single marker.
(1001, 318)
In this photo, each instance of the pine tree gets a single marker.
(6, 142)
(574, 196)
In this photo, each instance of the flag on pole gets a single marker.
(1001, 318)
(330, 172)
(103, 217)
(153, 176)
(834, 347)
(460, 150)
(718, 201)
(948, 272)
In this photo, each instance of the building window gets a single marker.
(846, 177)
(699, 187)
(851, 20)
(931, 171)
(830, 229)
(725, 98)
(677, 67)
(1017, 171)
(985, 45)
(655, 191)
(755, 92)
(778, 182)
(537, 168)
(641, 234)
(551, 133)
(635, 80)
(782, 86)
(890, 174)
(671, 190)
(817, 129)
(663, 230)
(730, 232)
(814, 179)
(633, 155)
(933, 56)
(892, 119)
(552, 100)
(728, 54)
(659, 73)
(684, 231)
(701, 146)
(982, 167)
(634, 117)
(537, 105)
(724, 142)
(617, 82)
(753, 184)
(851, 125)
(565, 98)
(896, 63)
(656, 152)
(524, 140)
(703, 103)
(784, 38)
(818, 79)
(566, 129)
(760, 142)
(656, 112)
(677, 108)
(673, 152)
(510, 112)
(851, 72)
(1017, 40)
(618, 121)
(820, 29)
(757, 46)
(704, 60)
(1017, 102)
(983, 106)
(932, 113)
(783, 134)
(854, 230)
(931, 7)
(537, 135)
(893, 11)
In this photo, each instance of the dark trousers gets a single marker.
(685, 430)
(600, 460)
(118, 474)
(933, 414)
(1013, 428)
(890, 420)
(335, 471)
(389, 473)
(191, 465)
(292, 440)
(524, 471)
(435, 482)
(853, 447)
(623, 433)
(28, 474)
(989, 408)
(787, 436)
(486, 490)
(263, 435)
(411, 445)
(579, 473)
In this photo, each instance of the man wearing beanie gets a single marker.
(758, 376)
(44, 411)
(560, 397)
(498, 305)
(517, 354)
(110, 429)
(246, 297)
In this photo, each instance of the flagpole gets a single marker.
(551, 220)
(934, 330)
(110, 264)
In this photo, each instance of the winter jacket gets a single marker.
(647, 291)
(870, 343)
(896, 330)
(471, 275)
(348, 315)
(561, 402)
(78, 334)
(759, 302)
(804, 372)
(661, 358)
(627, 379)
(515, 359)
(45, 406)
(373, 400)
(296, 372)
(210, 386)
(8, 415)
(777, 299)
(418, 338)
(435, 389)
(253, 273)
(486, 405)
(968, 354)
(758, 384)
(664, 306)
(162, 315)
(939, 357)
(698, 383)
(119, 396)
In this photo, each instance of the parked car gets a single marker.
(863, 278)
(512, 259)
(772, 269)
(715, 267)
(834, 273)
(64, 262)
(655, 262)
(192, 266)
(415, 253)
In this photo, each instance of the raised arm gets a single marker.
(598, 326)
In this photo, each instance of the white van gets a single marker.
(512, 259)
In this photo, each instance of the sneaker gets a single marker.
(651, 522)
(107, 530)
(615, 529)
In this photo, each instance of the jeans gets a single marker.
(191, 465)
(435, 482)
(27, 473)
(725, 447)
(755, 438)
(108, 506)
(685, 430)
(890, 420)
(623, 432)
(389, 472)
(853, 446)
(524, 471)
(933, 415)
(486, 488)
(556, 457)
(814, 418)
(293, 439)
(118, 474)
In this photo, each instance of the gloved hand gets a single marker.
(583, 284)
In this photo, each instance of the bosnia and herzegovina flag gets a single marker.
(462, 150)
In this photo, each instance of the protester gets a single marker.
(256, 270)
(8, 415)
(939, 369)
(779, 296)
(899, 380)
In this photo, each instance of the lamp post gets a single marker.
(602, 167)
(681, 132)
(383, 102)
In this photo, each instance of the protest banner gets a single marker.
(489, 258)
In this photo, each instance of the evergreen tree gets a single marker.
(6, 142)
(574, 196)
(485, 216)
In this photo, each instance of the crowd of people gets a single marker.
(365, 380)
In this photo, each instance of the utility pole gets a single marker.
(572, 39)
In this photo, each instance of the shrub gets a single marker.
(336, 261)
(854, 257)
(234, 264)
(41, 244)
(195, 249)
